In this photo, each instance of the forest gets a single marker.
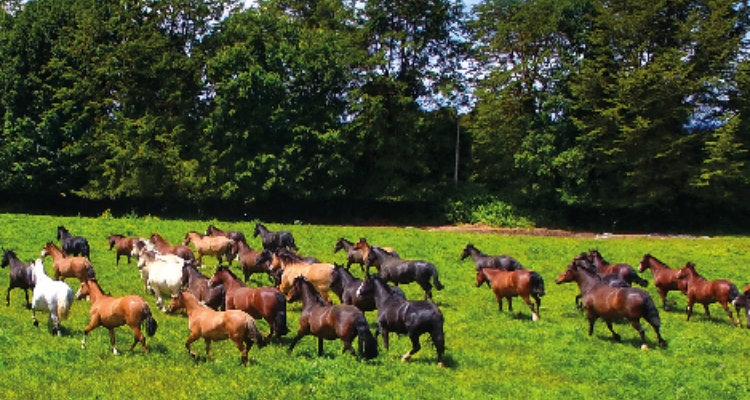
(620, 115)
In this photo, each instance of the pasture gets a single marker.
(489, 354)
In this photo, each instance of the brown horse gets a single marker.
(319, 274)
(248, 259)
(123, 246)
(626, 271)
(612, 303)
(197, 284)
(509, 284)
(217, 246)
(265, 302)
(163, 247)
(237, 236)
(216, 325)
(68, 267)
(700, 290)
(665, 278)
(111, 312)
(328, 322)
(364, 247)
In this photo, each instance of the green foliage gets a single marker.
(485, 209)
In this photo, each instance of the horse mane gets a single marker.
(471, 245)
(225, 268)
(691, 265)
(288, 256)
(311, 287)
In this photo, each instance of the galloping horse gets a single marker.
(353, 255)
(249, 260)
(611, 303)
(217, 246)
(111, 312)
(72, 245)
(328, 322)
(743, 301)
(624, 270)
(21, 275)
(68, 267)
(700, 290)
(292, 266)
(123, 246)
(401, 316)
(265, 302)
(665, 278)
(198, 285)
(482, 260)
(216, 325)
(160, 274)
(614, 280)
(164, 247)
(394, 269)
(237, 236)
(345, 285)
(509, 284)
(273, 240)
(364, 247)
(49, 295)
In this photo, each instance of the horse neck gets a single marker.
(310, 296)
(194, 274)
(95, 291)
(191, 303)
(657, 265)
(347, 245)
(54, 252)
(585, 280)
(382, 293)
(346, 277)
(242, 247)
(229, 281)
(476, 254)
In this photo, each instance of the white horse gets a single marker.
(50, 295)
(161, 274)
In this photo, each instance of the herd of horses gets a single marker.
(223, 306)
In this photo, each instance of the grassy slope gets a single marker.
(489, 353)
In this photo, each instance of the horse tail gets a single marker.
(537, 284)
(64, 301)
(368, 345)
(435, 280)
(151, 324)
(253, 333)
(650, 312)
(279, 322)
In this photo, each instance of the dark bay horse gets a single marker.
(743, 301)
(400, 316)
(345, 285)
(267, 303)
(73, 245)
(626, 271)
(610, 303)
(273, 240)
(700, 290)
(330, 322)
(237, 236)
(163, 247)
(665, 278)
(123, 246)
(111, 312)
(250, 260)
(353, 255)
(614, 280)
(508, 284)
(21, 275)
(393, 269)
(482, 260)
(215, 326)
(197, 285)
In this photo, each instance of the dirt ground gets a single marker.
(484, 229)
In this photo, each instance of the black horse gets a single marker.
(394, 269)
(345, 285)
(482, 260)
(400, 316)
(72, 245)
(21, 275)
(274, 240)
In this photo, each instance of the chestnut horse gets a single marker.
(611, 303)
(68, 267)
(163, 247)
(265, 302)
(217, 246)
(509, 284)
(21, 275)
(249, 260)
(214, 326)
(237, 236)
(700, 290)
(292, 266)
(665, 278)
(329, 322)
(123, 246)
(197, 284)
(624, 270)
(614, 280)
(111, 312)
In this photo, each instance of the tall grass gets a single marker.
(489, 353)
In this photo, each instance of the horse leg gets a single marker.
(615, 336)
(729, 312)
(708, 313)
(320, 346)
(691, 301)
(93, 324)
(636, 323)
(663, 294)
(138, 337)
(55, 320)
(415, 347)
(33, 317)
(510, 304)
(192, 338)
(240, 343)
(208, 347)
(117, 260)
(348, 347)
(7, 297)
(300, 333)
(385, 336)
(112, 341)
(534, 311)
(499, 302)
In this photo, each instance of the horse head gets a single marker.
(258, 229)
(481, 277)
(467, 251)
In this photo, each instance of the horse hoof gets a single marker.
(441, 365)
(644, 347)
(405, 358)
(36, 323)
(535, 317)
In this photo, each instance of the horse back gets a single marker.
(615, 302)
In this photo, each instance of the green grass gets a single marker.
(489, 354)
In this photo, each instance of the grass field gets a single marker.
(489, 354)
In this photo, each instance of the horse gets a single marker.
(665, 278)
(364, 247)
(509, 284)
(330, 322)
(217, 246)
(401, 316)
(50, 295)
(613, 280)
(345, 285)
(624, 270)
(482, 260)
(612, 303)
(214, 326)
(699, 290)
(267, 303)
(273, 240)
(68, 267)
(159, 274)
(111, 312)
(394, 269)
(237, 236)
(123, 246)
(743, 301)
(249, 260)
(197, 284)
(292, 266)
(164, 247)
(73, 245)
(21, 275)
(353, 255)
